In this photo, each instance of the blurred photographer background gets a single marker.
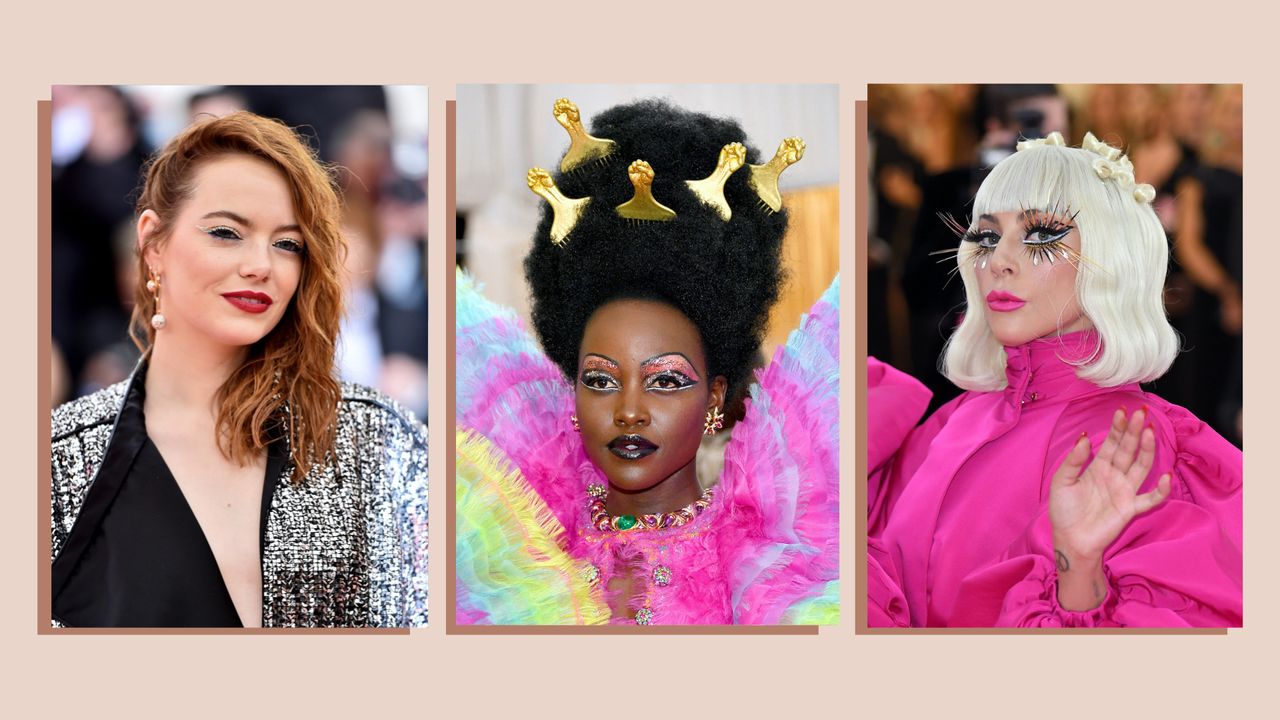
(932, 145)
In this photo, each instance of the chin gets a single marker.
(626, 475)
(1012, 334)
(234, 337)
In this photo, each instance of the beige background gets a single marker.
(838, 673)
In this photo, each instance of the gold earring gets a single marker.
(153, 287)
(715, 421)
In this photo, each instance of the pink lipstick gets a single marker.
(1001, 301)
(249, 301)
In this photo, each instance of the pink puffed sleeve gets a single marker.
(1178, 565)
(886, 603)
(895, 403)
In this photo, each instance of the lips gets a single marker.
(631, 447)
(1001, 301)
(249, 301)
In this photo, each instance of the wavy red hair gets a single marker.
(288, 383)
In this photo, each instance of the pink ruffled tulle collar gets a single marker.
(1045, 369)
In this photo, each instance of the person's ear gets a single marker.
(719, 387)
(148, 225)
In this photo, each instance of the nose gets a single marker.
(631, 410)
(255, 260)
(1004, 258)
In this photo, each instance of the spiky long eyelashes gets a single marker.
(1043, 233)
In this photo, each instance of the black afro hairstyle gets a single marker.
(724, 276)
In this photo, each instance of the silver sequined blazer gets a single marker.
(345, 547)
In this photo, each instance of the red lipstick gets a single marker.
(1001, 301)
(249, 301)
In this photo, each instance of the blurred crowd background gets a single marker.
(503, 130)
(932, 145)
(376, 136)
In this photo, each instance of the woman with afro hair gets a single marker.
(652, 273)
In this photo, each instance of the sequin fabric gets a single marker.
(344, 547)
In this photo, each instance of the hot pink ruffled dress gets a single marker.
(958, 526)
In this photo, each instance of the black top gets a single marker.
(136, 556)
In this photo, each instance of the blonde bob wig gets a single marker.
(1121, 271)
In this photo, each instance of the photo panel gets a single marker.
(647, 356)
(1054, 330)
(238, 336)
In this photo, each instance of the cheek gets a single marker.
(594, 412)
(681, 419)
(289, 277)
(1059, 283)
(983, 279)
(189, 269)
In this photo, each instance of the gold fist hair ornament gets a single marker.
(589, 152)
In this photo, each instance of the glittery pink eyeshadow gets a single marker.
(671, 362)
(595, 362)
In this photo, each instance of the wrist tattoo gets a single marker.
(1063, 565)
(1098, 592)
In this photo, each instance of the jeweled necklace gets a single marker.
(602, 520)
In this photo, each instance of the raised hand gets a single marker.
(1091, 502)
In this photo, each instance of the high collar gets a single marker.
(1045, 369)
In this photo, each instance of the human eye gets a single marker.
(598, 380)
(289, 245)
(668, 381)
(1043, 236)
(221, 232)
(1046, 233)
(984, 238)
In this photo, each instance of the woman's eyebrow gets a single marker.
(660, 356)
(992, 218)
(238, 218)
(599, 359)
(672, 358)
(234, 217)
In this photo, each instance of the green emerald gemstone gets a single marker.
(626, 522)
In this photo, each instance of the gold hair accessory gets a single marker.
(643, 206)
(582, 146)
(566, 210)
(764, 178)
(710, 190)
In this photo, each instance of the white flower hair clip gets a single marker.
(1112, 164)
(1053, 138)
